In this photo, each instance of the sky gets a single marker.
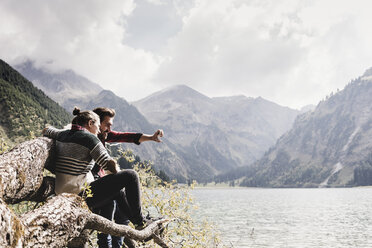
(291, 52)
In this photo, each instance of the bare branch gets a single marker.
(130, 243)
(104, 225)
(159, 241)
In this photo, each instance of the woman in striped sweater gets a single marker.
(77, 150)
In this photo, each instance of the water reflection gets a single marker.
(289, 217)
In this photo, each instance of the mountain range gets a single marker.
(217, 133)
(328, 147)
(203, 136)
(250, 139)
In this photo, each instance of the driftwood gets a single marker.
(63, 220)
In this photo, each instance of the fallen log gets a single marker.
(63, 220)
(21, 169)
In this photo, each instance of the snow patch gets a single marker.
(346, 146)
(336, 168)
(367, 78)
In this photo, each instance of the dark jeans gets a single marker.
(124, 188)
(111, 211)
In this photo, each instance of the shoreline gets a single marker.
(226, 186)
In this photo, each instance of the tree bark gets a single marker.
(63, 220)
(21, 169)
(11, 227)
(58, 221)
(104, 225)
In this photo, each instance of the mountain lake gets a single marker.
(256, 217)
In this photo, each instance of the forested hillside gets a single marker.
(25, 110)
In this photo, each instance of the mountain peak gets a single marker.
(62, 86)
(368, 72)
(367, 76)
(177, 93)
(107, 93)
(179, 87)
(184, 90)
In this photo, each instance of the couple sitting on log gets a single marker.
(81, 150)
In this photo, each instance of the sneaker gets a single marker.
(146, 221)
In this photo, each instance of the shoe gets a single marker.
(147, 221)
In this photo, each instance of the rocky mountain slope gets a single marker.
(66, 87)
(330, 146)
(220, 133)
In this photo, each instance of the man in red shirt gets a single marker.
(109, 211)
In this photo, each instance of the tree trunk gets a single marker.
(11, 227)
(21, 169)
(57, 222)
(64, 220)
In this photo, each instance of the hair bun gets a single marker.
(76, 111)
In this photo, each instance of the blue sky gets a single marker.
(291, 52)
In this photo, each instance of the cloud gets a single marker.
(151, 23)
(86, 36)
(292, 52)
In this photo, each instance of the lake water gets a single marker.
(295, 218)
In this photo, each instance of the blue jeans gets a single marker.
(111, 211)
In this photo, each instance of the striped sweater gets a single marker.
(77, 152)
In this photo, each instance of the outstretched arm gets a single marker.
(155, 137)
(136, 138)
(51, 132)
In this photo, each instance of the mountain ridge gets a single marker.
(200, 139)
(240, 127)
(63, 87)
(325, 146)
